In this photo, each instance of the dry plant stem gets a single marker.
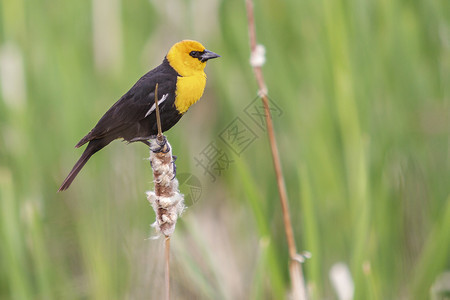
(158, 118)
(295, 270)
(167, 277)
(166, 200)
(167, 241)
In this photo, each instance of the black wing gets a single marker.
(135, 104)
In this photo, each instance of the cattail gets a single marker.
(166, 199)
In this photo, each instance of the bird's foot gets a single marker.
(144, 139)
(159, 145)
(174, 158)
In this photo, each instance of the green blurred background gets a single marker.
(361, 91)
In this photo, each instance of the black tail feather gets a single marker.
(93, 147)
(83, 141)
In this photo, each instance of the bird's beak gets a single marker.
(208, 55)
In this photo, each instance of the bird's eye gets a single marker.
(193, 53)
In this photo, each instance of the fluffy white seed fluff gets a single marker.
(258, 56)
(169, 203)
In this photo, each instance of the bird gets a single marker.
(181, 81)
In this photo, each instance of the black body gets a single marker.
(127, 117)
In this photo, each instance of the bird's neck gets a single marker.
(185, 67)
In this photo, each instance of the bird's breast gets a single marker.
(189, 90)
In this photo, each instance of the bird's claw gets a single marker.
(167, 149)
(174, 158)
(159, 145)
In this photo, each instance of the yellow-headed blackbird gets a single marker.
(181, 81)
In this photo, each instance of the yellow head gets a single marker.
(189, 57)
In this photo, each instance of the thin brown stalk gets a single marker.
(295, 269)
(166, 199)
(167, 275)
(158, 118)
